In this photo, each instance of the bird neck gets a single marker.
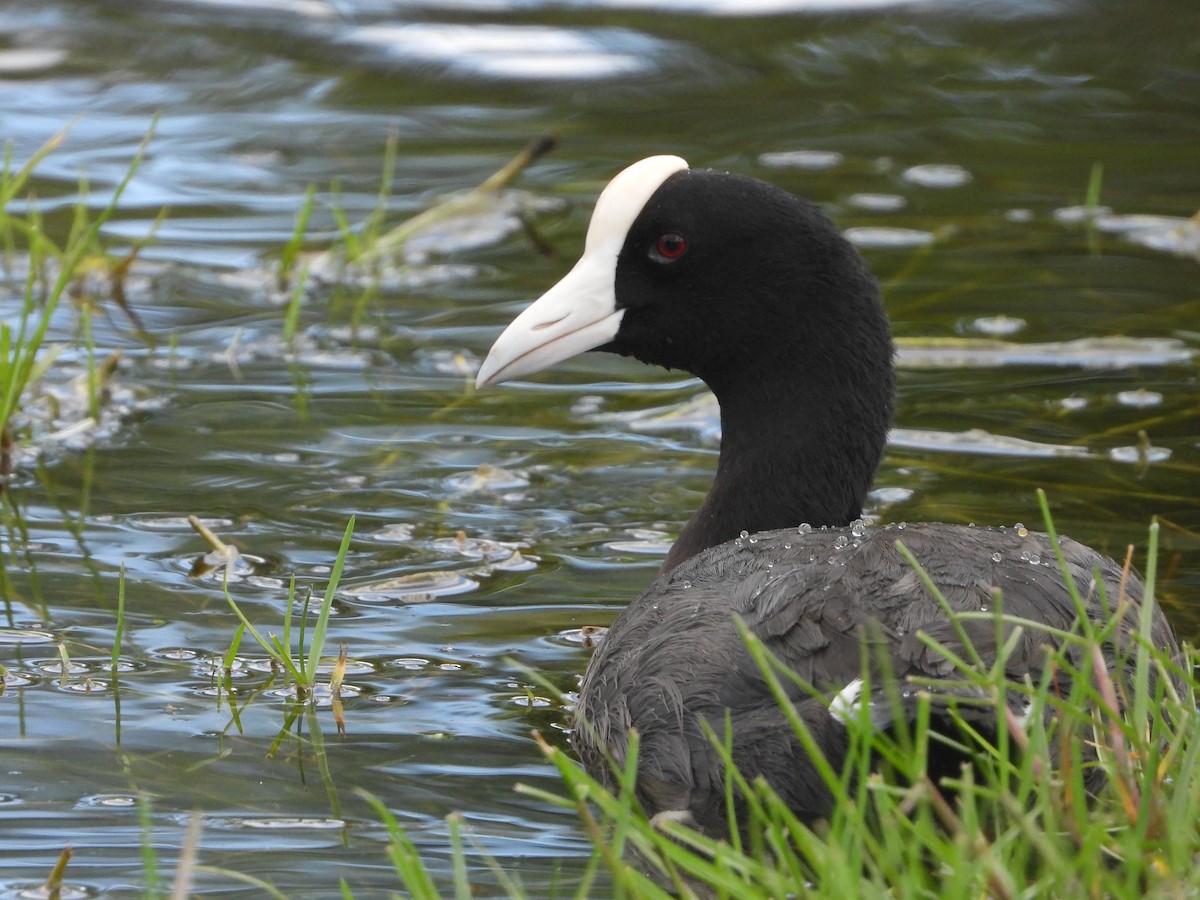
(788, 459)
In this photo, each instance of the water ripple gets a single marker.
(523, 52)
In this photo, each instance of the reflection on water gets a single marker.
(1046, 339)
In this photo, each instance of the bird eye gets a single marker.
(669, 247)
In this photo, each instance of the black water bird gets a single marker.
(755, 291)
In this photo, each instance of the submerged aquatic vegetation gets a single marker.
(369, 247)
(52, 270)
(301, 665)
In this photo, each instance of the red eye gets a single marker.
(671, 246)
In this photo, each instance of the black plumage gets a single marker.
(675, 658)
(756, 292)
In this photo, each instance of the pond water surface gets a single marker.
(1043, 343)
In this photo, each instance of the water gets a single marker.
(957, 140)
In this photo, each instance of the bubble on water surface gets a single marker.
(586, 636)
(937, 175)
(642, 542)
(55, 667)
(587, 405)
(884, 238)
(411, 663)
(877, 202)
(1167, 234)
(61, 892)
(529, 701)
(1139, 398)
(86, 686)
(177, 654)
(811, 160)
(325, 667)
(1149, 454)
(893, 494)
(108, 801)
(320, 695)
(998, 326)
(1076, 215)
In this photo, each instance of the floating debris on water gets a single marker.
(395, 533)
(224, 561)
(416, 587)
(1117, 352)
(977, 440)
(476, 548)
(487, 478)
(463, 363)
(587, 636)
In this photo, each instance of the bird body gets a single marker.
(756, 292)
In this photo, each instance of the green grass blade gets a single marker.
(322, 624)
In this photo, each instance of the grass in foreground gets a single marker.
(1018, 823)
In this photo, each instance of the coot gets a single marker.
(754, 291)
